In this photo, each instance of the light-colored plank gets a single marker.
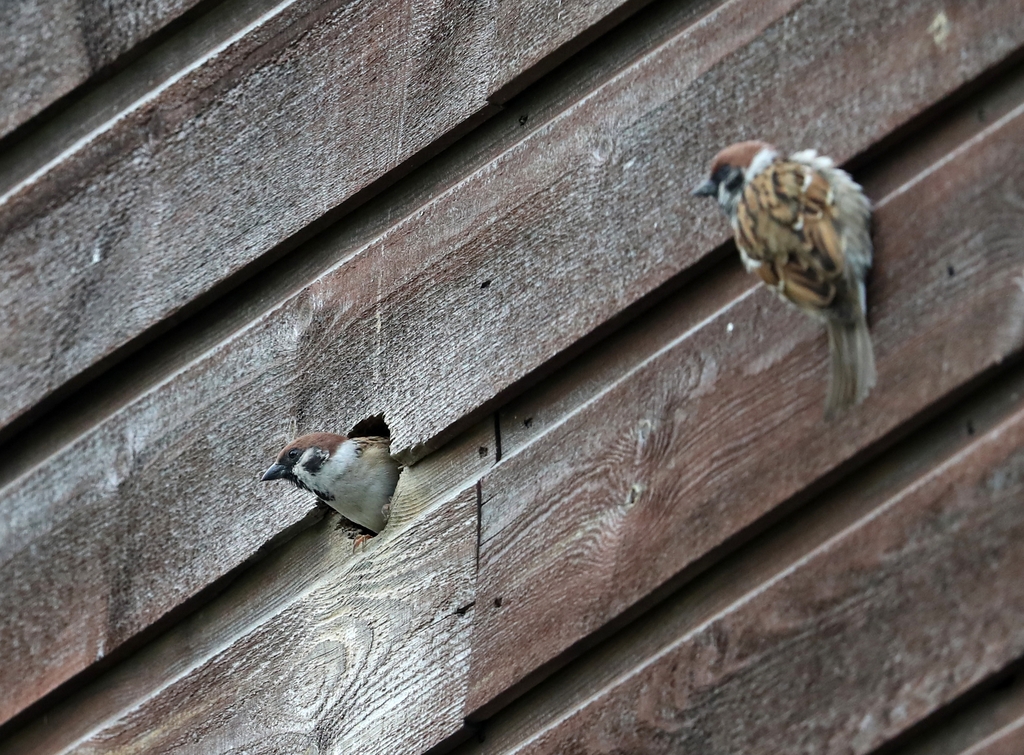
(710, 434)
(110, 579)
(313, 647)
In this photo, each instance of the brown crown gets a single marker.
(327, 441)
(739, 155)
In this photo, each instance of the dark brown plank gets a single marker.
(309, 105)
(711, 434)
(846, 646)
(53, 46)
(113, 530)
(312, 646)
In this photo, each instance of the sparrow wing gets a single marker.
(786, 220)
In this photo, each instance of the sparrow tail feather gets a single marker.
(853, 364)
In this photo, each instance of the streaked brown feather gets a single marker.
(793, 233)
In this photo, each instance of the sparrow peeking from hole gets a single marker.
(354, 476)
(803, 226)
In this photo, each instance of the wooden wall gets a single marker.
(624, 525)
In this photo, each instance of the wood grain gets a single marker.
(218, 166)
(712, 433)
(847, 646)
(53, 46)
(164, 552)
(731, 579)
(318, 643)
(307, 107)
(113, 530)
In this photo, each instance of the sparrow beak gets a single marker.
(706, 189)
(276, 472)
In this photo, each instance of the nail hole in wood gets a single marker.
(483, 451)
(485, 284)
(523, 119)
(528, 422)
(497, 602)
(951, 270)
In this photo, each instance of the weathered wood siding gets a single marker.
(624, 525)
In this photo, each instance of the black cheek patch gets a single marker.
(313, 465)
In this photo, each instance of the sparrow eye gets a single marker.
(734, 181)
(293, 454)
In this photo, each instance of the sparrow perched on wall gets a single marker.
(803, 226)
(354, 476)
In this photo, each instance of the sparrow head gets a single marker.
(301, 461)
(730, 171)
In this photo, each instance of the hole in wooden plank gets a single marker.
(483, 451)
(371, 427)
(523, 119)
(528, 422)
(498, 602)
(485, 284)
(951, 270)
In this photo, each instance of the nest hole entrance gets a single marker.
(371, 427)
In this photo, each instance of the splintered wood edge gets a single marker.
(441, 475)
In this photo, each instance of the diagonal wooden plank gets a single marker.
(52, 47)
(94, 531)
(848, 645)
(313, 647)
(723, 424)
(308, 106)
(375, 653)
(592, 211)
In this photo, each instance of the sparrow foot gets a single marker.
(360, 541)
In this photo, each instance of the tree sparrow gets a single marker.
(354, 476)
(803, 226)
